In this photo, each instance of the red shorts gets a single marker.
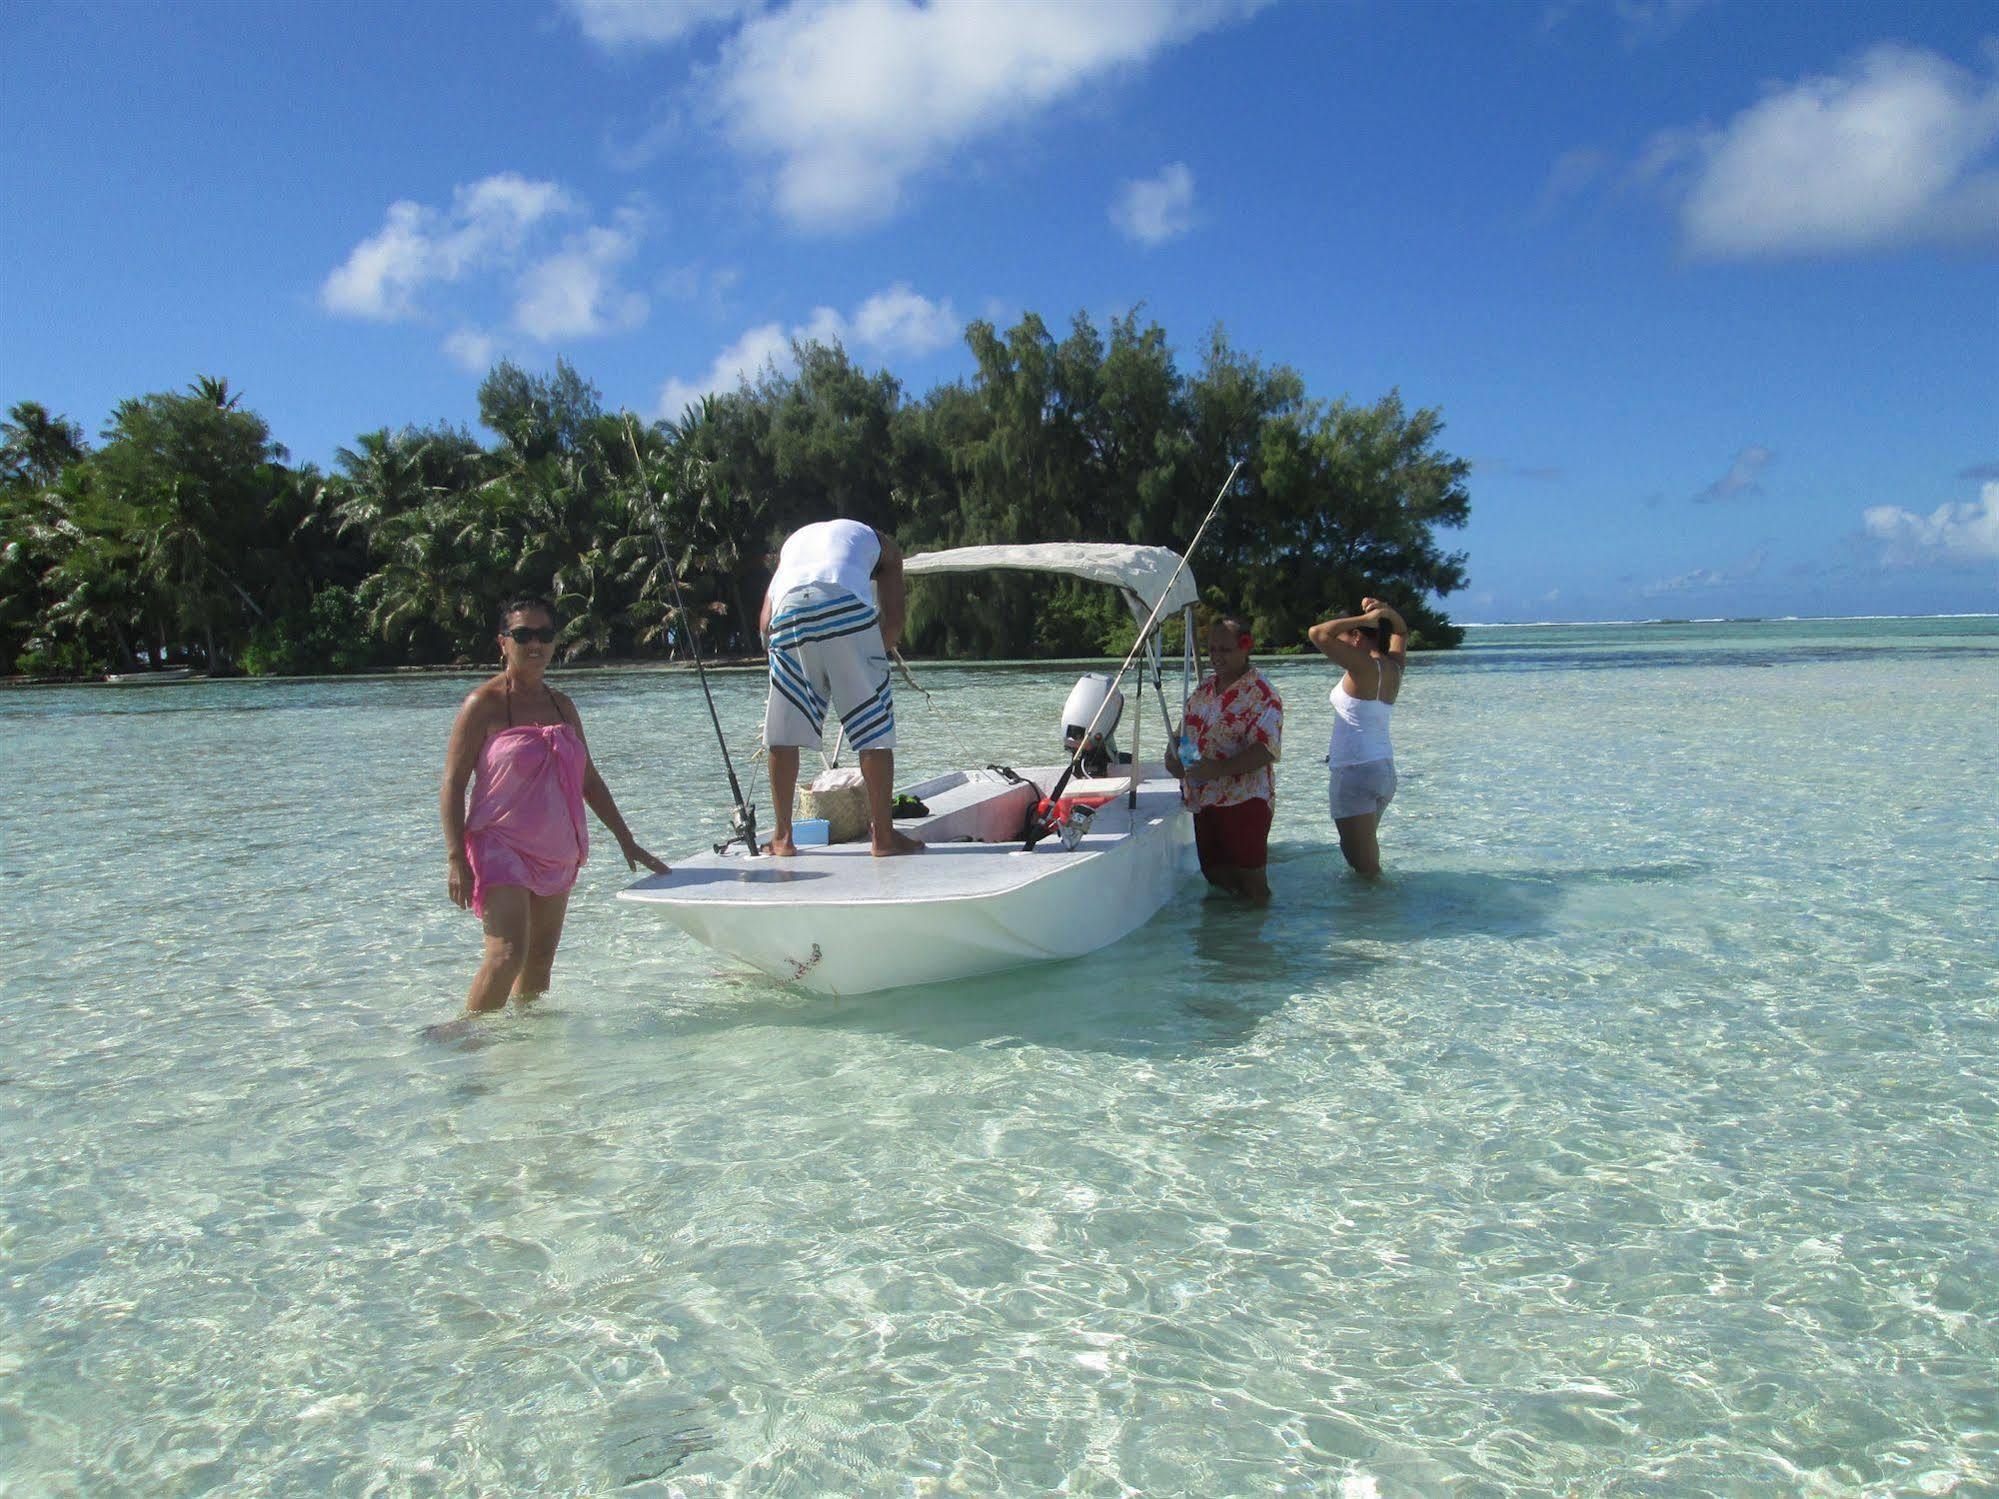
(1235, 837)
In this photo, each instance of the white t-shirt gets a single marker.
(841, 552)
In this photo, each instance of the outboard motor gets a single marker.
(1085, 698)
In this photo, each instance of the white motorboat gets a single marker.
(158, 678)
(837, 920)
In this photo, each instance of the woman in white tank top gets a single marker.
(1371, 648)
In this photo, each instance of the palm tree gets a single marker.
(35, 446)
(386, 473)
(98, 595)
(178, 552)
(214, 390)
(437, 575)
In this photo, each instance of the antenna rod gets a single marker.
(1037, 832)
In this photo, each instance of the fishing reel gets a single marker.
(743, 825)
(1066, 819)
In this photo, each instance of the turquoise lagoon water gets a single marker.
(1638, 1135)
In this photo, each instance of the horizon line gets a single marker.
(1714, 619)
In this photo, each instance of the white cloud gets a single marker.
(618, 24)
(494, 216)
(1744, 479)
(698, 283)
(1642, 21)
(899, 320)
(1653, 20)
(1957, 533)
(1897, 150)
(487, 221)
(744, 359)
(380, 276)
(471, 349)
(569, 287)
(1710, 577)
(575, 292)
(1572, 173)
(825, 326)
(1153, 210)
(847, 100)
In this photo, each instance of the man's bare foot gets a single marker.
(781, 848)
(898, 843)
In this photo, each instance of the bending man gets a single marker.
(832, 613)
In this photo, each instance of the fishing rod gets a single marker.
(744, 819)
(1036, 829)
(902, 666)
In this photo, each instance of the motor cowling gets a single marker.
(1093, 691)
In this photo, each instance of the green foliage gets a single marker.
(187, 531)
(328, 635)
(35, 447)
(44, 656)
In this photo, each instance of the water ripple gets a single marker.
(1637, 1136)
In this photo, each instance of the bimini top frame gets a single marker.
(1140, 574)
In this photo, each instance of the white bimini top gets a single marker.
(1360, 726)
(841, 552)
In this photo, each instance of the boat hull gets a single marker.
(847, 924)
(160, 678)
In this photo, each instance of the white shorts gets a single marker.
(825, 650)
(1357, 790)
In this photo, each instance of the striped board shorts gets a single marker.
(826, 650)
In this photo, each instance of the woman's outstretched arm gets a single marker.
(597, 797)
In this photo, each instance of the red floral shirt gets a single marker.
(1223, 722)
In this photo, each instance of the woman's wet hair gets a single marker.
(527, 601)
(1377, 633)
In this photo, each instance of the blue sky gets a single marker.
(1707, 289)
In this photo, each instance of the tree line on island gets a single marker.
(186, 534)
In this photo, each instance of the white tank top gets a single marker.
(841, 552)
(1360, 725)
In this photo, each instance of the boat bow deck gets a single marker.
(848, 874)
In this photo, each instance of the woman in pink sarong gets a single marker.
(512, 857)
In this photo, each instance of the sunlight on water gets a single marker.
(1640, 1134)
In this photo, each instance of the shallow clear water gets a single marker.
(1639, 1135)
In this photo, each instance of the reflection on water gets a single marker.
(1637, 1132)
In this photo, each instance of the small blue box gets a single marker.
(811, 832)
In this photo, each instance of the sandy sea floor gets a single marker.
(1639, 1134)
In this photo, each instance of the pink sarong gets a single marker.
(526, 822)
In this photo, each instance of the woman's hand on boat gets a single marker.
(635, 856)
(458, 880)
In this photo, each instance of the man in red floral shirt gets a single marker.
(1235, 722)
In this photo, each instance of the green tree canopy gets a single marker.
(187, 532)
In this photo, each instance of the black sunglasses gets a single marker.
(522, 634)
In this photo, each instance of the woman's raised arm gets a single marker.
(1397, 649)
(1326, 637)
